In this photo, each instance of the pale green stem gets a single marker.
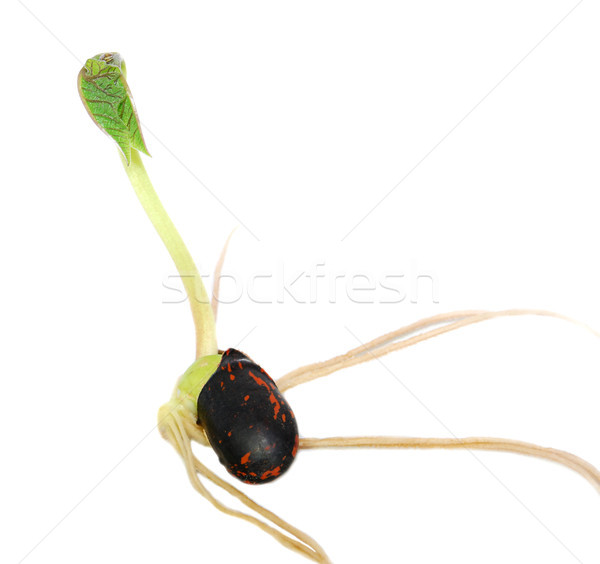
(206, 338)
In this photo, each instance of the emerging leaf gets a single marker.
(107, 98)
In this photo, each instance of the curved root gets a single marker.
(174, 424)
(582, 467)
(390, 342)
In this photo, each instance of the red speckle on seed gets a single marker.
(272, 398)
(277, 407)
(275, 472)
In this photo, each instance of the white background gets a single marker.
(300, 118)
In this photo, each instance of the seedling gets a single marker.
(226, 400)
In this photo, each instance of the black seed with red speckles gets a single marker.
(248, 423)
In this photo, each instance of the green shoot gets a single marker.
(107, 99)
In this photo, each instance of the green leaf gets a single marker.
(107, 98)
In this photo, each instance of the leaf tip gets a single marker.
(106, 97)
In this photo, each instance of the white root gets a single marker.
(582, 467)
(217, 276)
(175, 426)
(394, 341)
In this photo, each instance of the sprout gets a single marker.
(226, 400)
(106, 97)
